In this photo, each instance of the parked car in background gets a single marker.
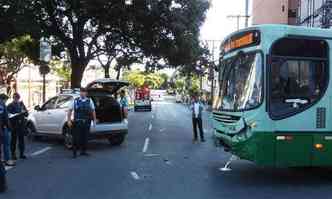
(158, 95)
(178, 98)
(50, 119)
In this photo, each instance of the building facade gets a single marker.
(275, 12)
(315, 13)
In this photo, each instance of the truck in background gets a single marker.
(143, 99)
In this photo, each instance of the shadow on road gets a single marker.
(244, 174)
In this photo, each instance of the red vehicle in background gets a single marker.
(143, 99)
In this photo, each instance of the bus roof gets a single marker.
(280, 29)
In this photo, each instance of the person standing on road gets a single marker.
(6, 139)
(3, 124)
(17, 112)
(124, 103)
(197, 111)
(84, 113)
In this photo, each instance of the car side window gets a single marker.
(50, 104)
(64, 102)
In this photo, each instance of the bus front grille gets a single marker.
(225, 118)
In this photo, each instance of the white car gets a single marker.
(50, 118)
(178, 98)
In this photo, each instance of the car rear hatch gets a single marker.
(107, 85)
(102, 92)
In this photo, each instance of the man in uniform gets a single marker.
(3, 124)
(84, 113)
(17, 112)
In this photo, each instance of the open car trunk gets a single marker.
(108, 109)
(102, 91)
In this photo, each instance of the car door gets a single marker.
(59, 114)
(43, 116)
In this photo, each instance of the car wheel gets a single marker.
(117, 140)
(68, 138)
(31, 132)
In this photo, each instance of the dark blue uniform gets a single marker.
(18, 126)
(82, 122)
(3, 124)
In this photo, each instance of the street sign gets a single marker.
(45, 50)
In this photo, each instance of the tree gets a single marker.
(138, 78)
(135, 78)
(14, 54)
(60, 69)
(163, 31)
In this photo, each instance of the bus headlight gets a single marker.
(252, 125)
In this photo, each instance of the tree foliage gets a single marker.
(159, 33)
(60, 69)
(13, 55)
(138, 79)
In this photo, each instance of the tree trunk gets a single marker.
(118, 74)
(107, 71)
(77, 74)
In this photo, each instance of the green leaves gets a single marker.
(14, 54)
(138, 79)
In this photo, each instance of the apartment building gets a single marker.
(275, 11)
(315, 13)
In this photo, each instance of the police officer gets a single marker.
(3, 124)
(17, 112)
(84, 113)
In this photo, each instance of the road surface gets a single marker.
(157, 161)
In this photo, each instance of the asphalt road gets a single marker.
(158, 161)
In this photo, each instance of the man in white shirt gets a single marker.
(197, 110)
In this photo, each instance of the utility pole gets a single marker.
(247, 14)
(212, 45)
(237, 17)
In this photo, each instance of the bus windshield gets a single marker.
(241, 82)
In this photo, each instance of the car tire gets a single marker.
(32, 133)
(117, 140)
(68, 138)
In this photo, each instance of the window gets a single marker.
(299, 80)
(64, 102)
(241, 82)
(50, 104)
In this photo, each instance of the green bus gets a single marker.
(275, 98)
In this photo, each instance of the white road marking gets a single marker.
(7, 168)
(150, 127)
(152, 116)
(134, 175)
(146, 145)
(161, 130)
(41, 151)
(151, 155)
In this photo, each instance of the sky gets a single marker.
(217, 26)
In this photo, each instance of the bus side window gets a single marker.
(298, 77)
